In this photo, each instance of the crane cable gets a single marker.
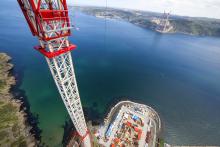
(105, 29)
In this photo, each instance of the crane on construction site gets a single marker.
(48, 20)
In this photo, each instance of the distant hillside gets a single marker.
(177, 24)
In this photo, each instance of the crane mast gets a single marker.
(49, 21)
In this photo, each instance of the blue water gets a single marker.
(178, 75)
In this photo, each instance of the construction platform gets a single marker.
(129, 124)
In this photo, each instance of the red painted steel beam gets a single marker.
(59, 36)
(49, 54)
(53, 13)
(24, 10)
(49, 16)
(81, 137)
(42, 15)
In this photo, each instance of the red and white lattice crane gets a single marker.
(49, 21)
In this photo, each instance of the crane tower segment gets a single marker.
(49, 21)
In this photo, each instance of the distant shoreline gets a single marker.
(150, 20)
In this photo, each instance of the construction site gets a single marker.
(163, 24)
(128, 123)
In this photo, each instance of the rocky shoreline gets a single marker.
(15, 129)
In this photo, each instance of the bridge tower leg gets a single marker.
(49, 21)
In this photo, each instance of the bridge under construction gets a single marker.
(48, 20)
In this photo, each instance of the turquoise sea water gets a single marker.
(178, 75)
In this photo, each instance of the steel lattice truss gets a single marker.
(49, 21)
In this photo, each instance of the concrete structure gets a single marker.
(123, 113)
(49, 21)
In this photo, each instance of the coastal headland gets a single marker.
(14, 127)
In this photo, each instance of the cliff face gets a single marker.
(14, 130)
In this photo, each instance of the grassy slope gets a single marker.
(12, 128)
(197, 27)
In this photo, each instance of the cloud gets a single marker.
(199, 8)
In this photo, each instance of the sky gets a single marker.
(195, 8)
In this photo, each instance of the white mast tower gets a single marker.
(49, 21)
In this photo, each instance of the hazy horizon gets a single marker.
(146, 11)
(197, 8)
